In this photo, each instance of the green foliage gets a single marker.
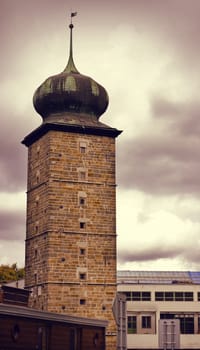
(10, 273)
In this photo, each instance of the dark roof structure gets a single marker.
(26, 312)
(70, 93)
(71, 102)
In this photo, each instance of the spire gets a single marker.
(70, 93)
(71, 68)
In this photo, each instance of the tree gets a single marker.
(10, 273)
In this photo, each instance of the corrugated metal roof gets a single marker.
(195, 276)
(158, 277)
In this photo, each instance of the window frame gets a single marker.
(131, 324)
(146, 322)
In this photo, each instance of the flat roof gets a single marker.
(158, 277)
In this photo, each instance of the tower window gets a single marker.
(82, 225)
(82, 149)
(82, 251)
(82, 276)
(82, 198)
(81, 201)
(82, 146)
(82, 301)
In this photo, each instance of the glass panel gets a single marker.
(146, 321)
(132, 324)
(159, 296)
(166, 316)
(128, 296)
(179, 296)
(189, 296)
(136, 296)
(169, 296)
(146, 296)
(187, 325)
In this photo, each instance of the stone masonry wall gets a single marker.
(71, 226)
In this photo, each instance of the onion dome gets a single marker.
(70, 93)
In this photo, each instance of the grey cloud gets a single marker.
(13, 154)
(164, 159)
(12, 225)
(175, 22)
(184, 118)
(149, 254)
(13, 169)
(185, 252)
(159, 166)
(192, 255)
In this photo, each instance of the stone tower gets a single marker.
(71, 211)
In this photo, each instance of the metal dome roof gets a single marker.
(70, 92)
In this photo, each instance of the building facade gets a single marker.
(71, 211)
(157, 297)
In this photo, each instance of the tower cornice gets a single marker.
(101, 130)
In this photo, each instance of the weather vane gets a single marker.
(73, 14)
(71, 66)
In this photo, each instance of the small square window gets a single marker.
(82, 225)
(159, 296)
(179, 296)
(188, 296)
(146, 296)
(82, 276)
(136, 296)
(82, 149)
(169, 296)
(82, 301)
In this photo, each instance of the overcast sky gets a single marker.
(146, 53)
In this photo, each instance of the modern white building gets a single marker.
(163, 309)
